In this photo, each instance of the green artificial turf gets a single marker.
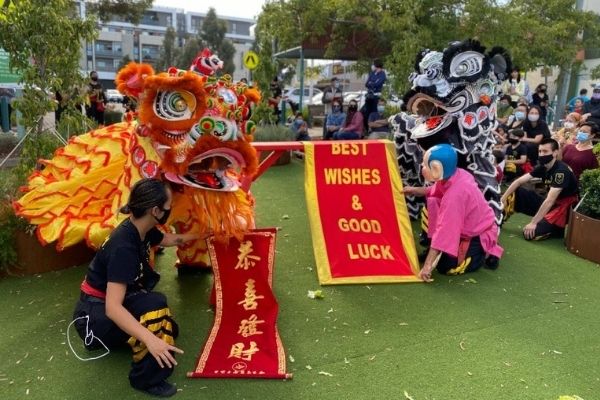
(526, 331)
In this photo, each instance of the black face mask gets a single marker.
(94, 78)
(513, 141)
(163, 220)
(352, 107)
(543, 160)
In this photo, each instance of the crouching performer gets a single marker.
(117, 305)
(462, 227)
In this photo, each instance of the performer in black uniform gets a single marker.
(549, 213)
(117, 304)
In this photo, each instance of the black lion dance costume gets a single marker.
(453, 100)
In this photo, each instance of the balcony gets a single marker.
(108, 53)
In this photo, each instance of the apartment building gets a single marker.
(119, 38)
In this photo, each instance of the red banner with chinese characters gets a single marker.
(359, 221)
(243, 342)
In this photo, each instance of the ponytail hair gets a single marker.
(145, 194)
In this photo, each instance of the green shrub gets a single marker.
(590, 187)
(273, 133)
(73, 122)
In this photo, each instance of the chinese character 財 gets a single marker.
(237, 351)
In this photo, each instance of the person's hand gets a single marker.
(585, 116)
(161, 351)
(413, 191)
(529, 230)
(425, 274)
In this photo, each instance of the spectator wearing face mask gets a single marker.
(374, 85)
(97, 99)
(332, 93)
(378, 124)
(353, 125)
(300, 128)
(516, 163)
(518, 118)
(516, 87)
(504, 110)
(540, 99)
(535, 129)
(591, 109)
(567, 133)
(580, 156)
(335, 120)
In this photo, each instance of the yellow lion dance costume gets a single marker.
(193, 130)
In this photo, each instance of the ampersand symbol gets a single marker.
(356, 206)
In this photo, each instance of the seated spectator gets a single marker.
(516, 156)
(535, 130)
(501, 134)
(581, 156)
(582, 96)
(591, 109)
(378, 124)
(334, 120)
(505, 110)
(549, 213)
(540, 99)
(578, 106)
(300, 128)
(353, 125)
(566, 134)
(518, 118)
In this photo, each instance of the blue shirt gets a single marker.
(376, 116)
(375, 81)
(335, 119)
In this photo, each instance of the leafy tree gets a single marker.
(169, 51)
(43, 38)
(188, 53)
(212, 35)
(124, 61)
(131, 10)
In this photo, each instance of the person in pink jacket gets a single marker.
(462, 228)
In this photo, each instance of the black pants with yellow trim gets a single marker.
(529, 202)
(474, 259)
(150, 308)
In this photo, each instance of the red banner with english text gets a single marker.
(359, 221)
(243, 342)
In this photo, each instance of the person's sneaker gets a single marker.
(492, 262)
(162, 389)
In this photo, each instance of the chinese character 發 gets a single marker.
(249, 302)
(245, 258)
(248, 326)
(237, 351)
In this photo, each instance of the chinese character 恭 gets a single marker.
(249, 302)
(248, 326)
(237, 351)
(245, 258)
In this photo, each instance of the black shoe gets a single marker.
(492, 262)
(162, 389)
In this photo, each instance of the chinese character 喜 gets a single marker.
(249, 302)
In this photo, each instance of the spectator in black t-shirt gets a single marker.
(117, 304)
(535, 129)
(515, 155)
(275, 98)
(540, 99)
(549, 213)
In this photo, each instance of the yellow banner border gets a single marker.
(316, 228)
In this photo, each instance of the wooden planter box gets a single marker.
(33, 258)
(582, 236)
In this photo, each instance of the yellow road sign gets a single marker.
(251, 59)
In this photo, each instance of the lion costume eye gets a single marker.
(174, 106)
(220, 128)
